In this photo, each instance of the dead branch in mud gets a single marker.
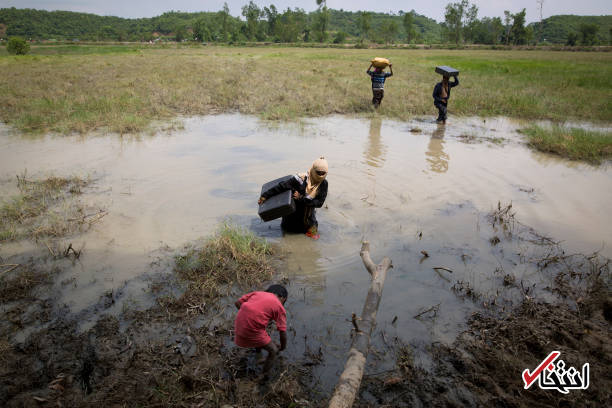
(442, 268)
(354, 320)
(11, 268)
(76, 254)
(350, 380)
(433, 308)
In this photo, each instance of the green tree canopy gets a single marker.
(365, 24)
(457, 17)
(588, 33)
(408, 23)
(17, 46)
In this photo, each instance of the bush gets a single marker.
(572, 38)
(340, 37)
(17, 46)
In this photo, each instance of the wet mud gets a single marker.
(481, 367)
(475, 297)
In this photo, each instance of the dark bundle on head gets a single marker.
(278, 290)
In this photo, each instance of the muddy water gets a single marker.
(404, 186)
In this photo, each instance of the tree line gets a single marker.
(461, 25)
(269, 24)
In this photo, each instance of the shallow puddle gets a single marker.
(406, 187)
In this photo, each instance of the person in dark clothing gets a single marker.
(378, 77)
(441, 93)
(309, 192)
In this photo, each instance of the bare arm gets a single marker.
(391, 68)
(283, 340)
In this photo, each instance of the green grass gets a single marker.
(72, 88)
(234, 256)
(572, 143)
(74, 49)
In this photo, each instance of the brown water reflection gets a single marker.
(386, 184)
(437, 158)
(375, 150)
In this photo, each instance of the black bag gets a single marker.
(447, 71)
(278, 205)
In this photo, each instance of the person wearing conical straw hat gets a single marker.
(309, 192)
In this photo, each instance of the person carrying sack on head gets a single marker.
(378, 77)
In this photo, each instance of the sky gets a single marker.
(430, 8)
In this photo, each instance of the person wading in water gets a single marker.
(309, 192)
(441, 94)
(378, 77)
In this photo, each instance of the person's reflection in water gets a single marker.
(375, 151)
(436, 157)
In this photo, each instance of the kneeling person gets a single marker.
(255, 311)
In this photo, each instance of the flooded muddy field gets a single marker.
(424, 195)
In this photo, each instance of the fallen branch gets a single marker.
(434, 309)
(442, 268)
(354, 320)
(77, 254)
(12, 267)
(95, 217)
(350, 380)
(50, 250)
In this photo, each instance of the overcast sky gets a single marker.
(430, 8)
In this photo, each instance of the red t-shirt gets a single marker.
(256, 311)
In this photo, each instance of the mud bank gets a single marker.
(112, 319)
(483, 367)
(180, 352)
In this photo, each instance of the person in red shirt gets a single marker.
(255, 311)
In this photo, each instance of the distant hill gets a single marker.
(556, 28)
(428, 29)
(42, 24)
(68, 25)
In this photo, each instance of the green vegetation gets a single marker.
(261, 24)
(233, 257)
(268, 24)
(125, 91)
(17, 46)
(42, 209)
(556, 29)
(573, 143)
(372, 26)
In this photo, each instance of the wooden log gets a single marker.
(350, 380)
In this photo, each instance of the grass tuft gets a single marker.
(234, 256)
(20, 284)
(572, 143)
(42, 208)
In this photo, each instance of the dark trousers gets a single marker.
(377, 96)
(441, 111)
